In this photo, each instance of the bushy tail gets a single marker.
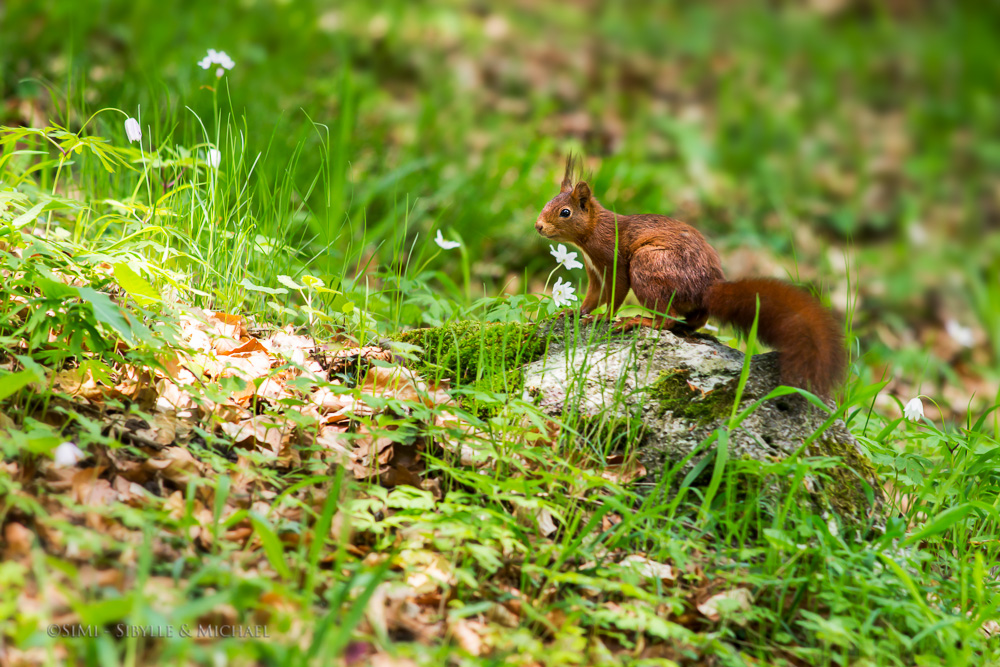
(808, 338)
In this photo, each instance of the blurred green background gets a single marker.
(851, 144)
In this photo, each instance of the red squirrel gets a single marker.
(674, 272)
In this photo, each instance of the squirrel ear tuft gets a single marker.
(581, 194)
(567, 181)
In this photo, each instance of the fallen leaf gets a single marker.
(650, 569)
(261, 431)
(17, 540)
(623, 471)
(466, 634)
(732, 603)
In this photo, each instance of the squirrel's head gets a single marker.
(571, 215)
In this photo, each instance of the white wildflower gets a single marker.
(564, 258)
(914, 410)
(214, 158)
(67, 455)
(960, 334)
(562, 293)
(917, 234)
(447, 245)
(219, 58)
(132, 130)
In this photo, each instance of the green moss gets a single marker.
(842, 492)
(845, 492)
(484, 357)
(673, 393)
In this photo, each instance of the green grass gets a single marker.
(348, 137)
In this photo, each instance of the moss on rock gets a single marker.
(844, 491)
(674, 393)
(486, 357)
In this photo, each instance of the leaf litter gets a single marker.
(225, 439)
(257, 409)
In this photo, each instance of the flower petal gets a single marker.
(132, 130)
(914, 410)
(446, 245)
(67, 455)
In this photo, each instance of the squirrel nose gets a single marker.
(538, 226)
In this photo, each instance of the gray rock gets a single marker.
(680, 390)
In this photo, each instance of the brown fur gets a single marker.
(674, 271)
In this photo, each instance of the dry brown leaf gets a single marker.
(461, 442)
(385, 601)
(129, 492)
(395, 382)
(51, 537)
(177, 465)
(244, 347)
(79, 382)
(546, 524)
(138, 386)
(162, 430)
(610, 520)
(332, 438)
(650, 569)
(175, 505)
(738, 600)
(224, 346)
(272, 390)
(371, 453)
(221, 617)
(171, 398)
(328, 399)
(622, 471)
(263, 431)
(88, 488)
(427, 571)
(466, 633)
(502, 614)
(230, 412)
(198, 340)
(289, 346)
(17, 540)
(249, 366)
(392, 608)
(228, 326)
(91, 577)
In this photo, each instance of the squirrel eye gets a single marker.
(565, 213)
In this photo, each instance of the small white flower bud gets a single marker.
(67, 455)
(132, 130)
(914, 410)
(214, 158)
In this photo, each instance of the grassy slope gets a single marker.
(796, 136)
